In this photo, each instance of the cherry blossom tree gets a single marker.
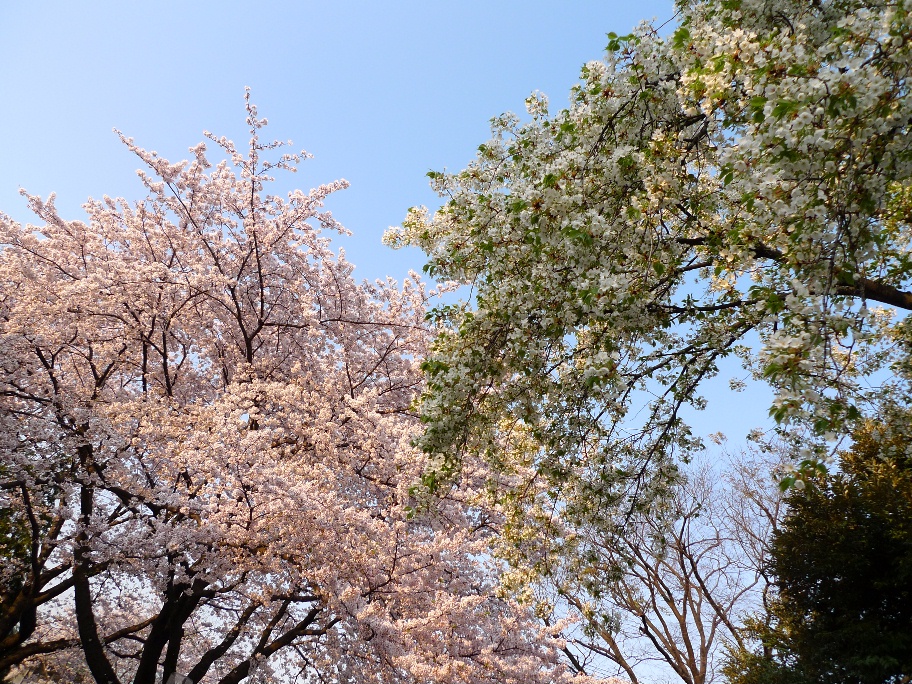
(207, 460)
(738, 188)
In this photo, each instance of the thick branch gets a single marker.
(202, 667)
(98, 662)
(239, 672)
(865, 288)
(22, 653)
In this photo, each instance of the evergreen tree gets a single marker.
(843, 563)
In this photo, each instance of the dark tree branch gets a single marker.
(92, 647)
(202, 667)
(864, 288)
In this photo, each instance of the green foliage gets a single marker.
(15, 543)
(17, 517)
(843, 563)
(748, 667)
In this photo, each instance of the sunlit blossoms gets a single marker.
(737, 188)
(207, 451)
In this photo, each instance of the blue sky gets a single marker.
(378, 92)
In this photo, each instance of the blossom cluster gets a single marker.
(746, 177)
(207, 451)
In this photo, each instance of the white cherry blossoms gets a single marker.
(748, 175)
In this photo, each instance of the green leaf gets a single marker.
(757, 105)
(518, 205)
(434, 366)
(785, 107)
(681, 37)
(577, 235)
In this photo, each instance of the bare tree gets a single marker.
(659, 594)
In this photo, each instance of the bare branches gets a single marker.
(670, 585)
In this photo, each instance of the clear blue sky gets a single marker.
(379, 92)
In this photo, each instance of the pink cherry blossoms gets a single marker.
(207, 460)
